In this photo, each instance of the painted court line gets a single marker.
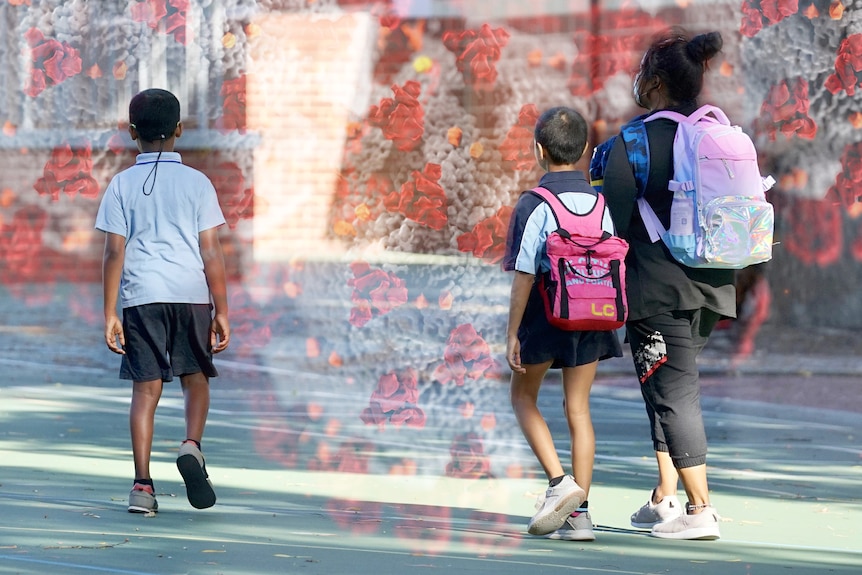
(67, 565)
(44, 365)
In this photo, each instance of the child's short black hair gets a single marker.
(562, 132)
(155, 114)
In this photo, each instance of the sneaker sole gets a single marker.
(198, 489)
(651, 525)
(555, 520)
(700, 534)
(139, 509)
(582, 535)
(645, 525)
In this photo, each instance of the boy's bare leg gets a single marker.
(524, 395)
(196, 393)
(668, 478)
(577, 382)
(190, 463)
(145, 399)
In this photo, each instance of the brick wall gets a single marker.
(305, 79)
(279, 114)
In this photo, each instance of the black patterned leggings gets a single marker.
(665, 349)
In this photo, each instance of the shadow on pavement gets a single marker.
(311, 479)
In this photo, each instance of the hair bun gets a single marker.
(703, 47)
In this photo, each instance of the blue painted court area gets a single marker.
(786, 482)
(306, 486)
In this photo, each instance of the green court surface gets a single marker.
(785, 479)
(305, 485)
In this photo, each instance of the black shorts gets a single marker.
(167, 339)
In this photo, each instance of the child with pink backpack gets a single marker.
(535, 343)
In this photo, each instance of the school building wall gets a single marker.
(400, 131)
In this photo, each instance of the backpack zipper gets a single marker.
(727, 168)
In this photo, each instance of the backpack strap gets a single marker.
(637, 149)
(566, 218)
(637, 146)
(670, 115)
(702, 113)
(708, 113)
(653, 225)
(598, 162)
(679, 119)
(636, 143)
(708, 110)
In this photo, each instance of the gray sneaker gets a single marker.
(578, 527)
(703, 525)
(190, 462)
(142, 499)
(559, 502)
(652, 514)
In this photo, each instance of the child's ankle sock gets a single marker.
(555, 481)
(582, 509)
(197, 443)
(145, 483)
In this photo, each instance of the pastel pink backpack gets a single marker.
(585, 289)
(719, 217)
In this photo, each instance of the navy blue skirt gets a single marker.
(541, 342)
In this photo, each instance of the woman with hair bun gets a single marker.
(672, 307)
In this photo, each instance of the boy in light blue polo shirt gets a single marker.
(164, 260)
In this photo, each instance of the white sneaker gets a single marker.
(652, 514)
(703, 525)
(578, 527)
(559, 502)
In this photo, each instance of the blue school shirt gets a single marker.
(532, 220)
(163, 262)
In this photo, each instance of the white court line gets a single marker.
(44, 365)
(173, 403)
(87, 567)
(254, 368)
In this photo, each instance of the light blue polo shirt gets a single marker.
(533, 220)
(163, 262)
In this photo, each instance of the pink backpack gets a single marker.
(585, 289)
(719, 217)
